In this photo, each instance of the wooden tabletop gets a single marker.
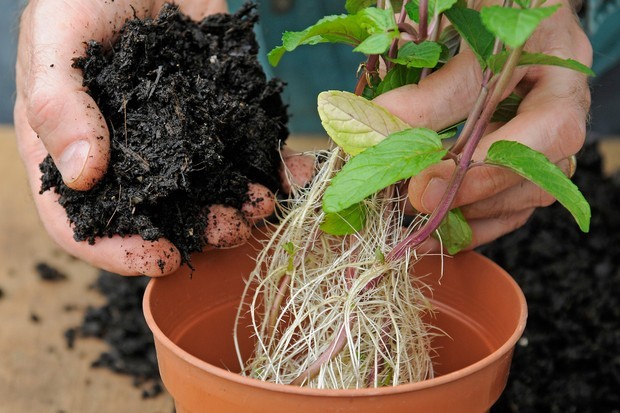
(38, 373)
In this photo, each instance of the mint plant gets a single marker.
(338, 307)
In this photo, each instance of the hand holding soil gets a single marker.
(54, 113)
(551, 119)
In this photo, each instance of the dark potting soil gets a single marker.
(192, 121)
(120, 323)
(568, 359)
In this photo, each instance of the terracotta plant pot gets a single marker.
(478, 305)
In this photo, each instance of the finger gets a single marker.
(197, 10)
(260, 205)
(57, 106)
(525, 195)
(440, 100)
(226, 227)
(297, 169)
(489, 229)
(551, 120)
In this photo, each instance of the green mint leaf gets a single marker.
(469, 25)
(351, 29)
(354, 6)
(454, 232)
(451, 39)
(425, 54)
(401, 155)
(375, 44)
(514, 26)
(345, 222)
(524, 4)
(398, 76)
(507, 108)
(434, 7)
(355, 123)
(497, 61)
(534, 166)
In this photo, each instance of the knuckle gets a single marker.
(42, 108)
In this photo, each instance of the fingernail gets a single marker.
(433, 193)
(72, 161)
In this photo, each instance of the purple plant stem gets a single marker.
(463, 163)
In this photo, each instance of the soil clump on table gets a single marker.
(192, 120)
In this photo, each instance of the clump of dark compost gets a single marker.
(192, 120)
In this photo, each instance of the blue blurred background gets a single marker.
(305, 80)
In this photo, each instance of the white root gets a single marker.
(309, 288)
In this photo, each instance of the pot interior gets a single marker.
(478, 307)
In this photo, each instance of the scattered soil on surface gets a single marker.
(48, 273)
(120, 323)
(568, 358)
(192, 120)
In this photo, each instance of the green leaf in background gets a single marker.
(434, 7)
(398, 76)
(347, 221)
(497, 61)
(454, 232)
(425, 54)
(507, 108)
(535, 167)
(514, 26)
(354, 6)
(375, 44)
(401, 155)
(451, 39)
(348, 29)
(469, 25)
(355, 123)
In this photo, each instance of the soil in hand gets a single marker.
(192, 121)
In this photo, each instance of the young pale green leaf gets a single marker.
(425, 54)
(534, 166)
(347, 221)
(401, 155)
(350, 29)
(355, 123)
(497, 61)
(454, 232)
(469, 25)
(507, 108)
(375, 44)
(514, 26)
(398, 76)
(434, 7)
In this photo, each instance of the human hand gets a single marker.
(551, 119)
(53, 113)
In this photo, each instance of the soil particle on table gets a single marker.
(192, 121)
(48, 273)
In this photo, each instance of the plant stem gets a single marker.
(464, 160)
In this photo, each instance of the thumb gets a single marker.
(441, 99)
(57, 107)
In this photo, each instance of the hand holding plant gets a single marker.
(334, 277)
